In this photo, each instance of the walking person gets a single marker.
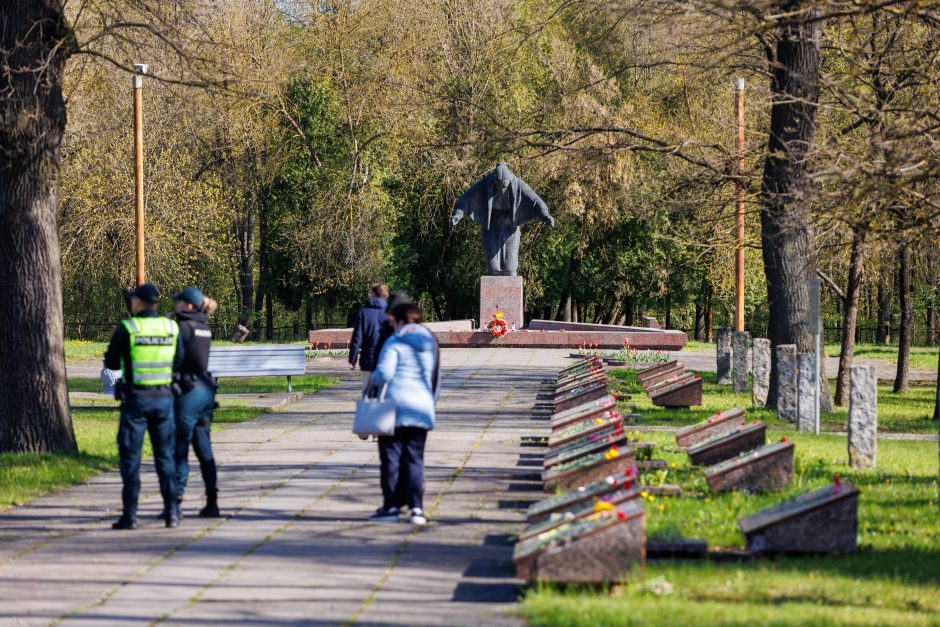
(196, 402)
(147, 349)
(365, 337)
(409, 367)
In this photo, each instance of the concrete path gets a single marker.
(298, 548)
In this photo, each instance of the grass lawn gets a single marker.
(922, 358)
(25, 476)
(88, 352)
(307, 383)
(894, 577)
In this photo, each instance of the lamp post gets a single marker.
(739, 244)
(140, 70)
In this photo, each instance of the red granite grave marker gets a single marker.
(580, 396)
(685, 393)
(745, 438)
(605, 502)
(579, 495)
(588, 469)
(585, 446)
(584, 427)
(671, 381)
(821, 521)
(562, 419)
(643, 375)
(602, 548)
(762, 470)
(663, 375)
(716, 425)
(600, 377)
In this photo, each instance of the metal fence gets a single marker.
(920, 336)
(98, 331)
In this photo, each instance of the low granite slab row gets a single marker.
(580, 494)
(715, 426)
(588, 469)
(765, 469)
(684, 393)
(581, 395)
(562, 419)
(743, 439)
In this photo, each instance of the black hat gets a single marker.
(146, 292)
(398, 297)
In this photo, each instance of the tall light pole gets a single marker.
(739, 251)
(140, 70)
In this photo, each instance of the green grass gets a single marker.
(923, 358)
(26, 476)
(699, 346)
(235, 385)
(903, 412)
(894, 577)
(84, 351)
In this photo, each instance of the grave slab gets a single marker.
(744, 438)
(586, 508)
(687, 393)
(715, 426)
(581, 395)
(674, 378)
(863, 416)
(677, 369)
(762, 470)
(562, 419)
(585, 427)
(821, 521)
(604, 548)
(806, 392)
(578, 365)
(579, 495)
(584, 447)
(644, 375)
(577, 383)
(588, 469)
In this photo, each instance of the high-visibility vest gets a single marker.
(153, 348)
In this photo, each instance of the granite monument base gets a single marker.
(501, 293)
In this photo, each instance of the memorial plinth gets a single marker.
(643, 375)
(745, 438)
(600, 377)
(765, 469)
(501, 293)
(676, 368)
(585, 363)
(673, 378)
(821, 521)
(588, 469)
(715, 426)
(582, 447)
(578, 375)
(602, 548)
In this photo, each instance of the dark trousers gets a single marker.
(147, 414)
(193, 422)
(402, 458)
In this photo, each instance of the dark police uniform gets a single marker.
(146, 405)
(195, 406)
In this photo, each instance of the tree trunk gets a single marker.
(883, 332)
(244, 255)
(786, 228)
(268, 317)
(667, 319)
(902, 377)
(629, 305)
(850, 318)
(34, 405)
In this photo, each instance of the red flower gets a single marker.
(718, 415)
(836, 479)
(621, 515)
(783, 439)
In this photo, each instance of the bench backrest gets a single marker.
(257, 360)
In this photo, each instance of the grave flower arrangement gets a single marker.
(497, 326)
(629, 354)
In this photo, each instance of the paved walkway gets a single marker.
(298, 548)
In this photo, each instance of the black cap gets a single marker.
(146, 292)
(398, 297)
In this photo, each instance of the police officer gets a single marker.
(146, 348)
(195, 405)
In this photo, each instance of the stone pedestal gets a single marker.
(503, 293)
(723, 356)
(786, 382)
(761, 369)
(740, 347)
(863, 416)
(806, 392)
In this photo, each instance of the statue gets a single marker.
(500, 202)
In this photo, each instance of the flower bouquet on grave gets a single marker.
(497, 326)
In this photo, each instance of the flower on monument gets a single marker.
(621, 515)
(602, 506)
(784, 439)
(836, 479)
(498, 315)
(718, 415)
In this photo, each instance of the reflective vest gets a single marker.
(153, 347)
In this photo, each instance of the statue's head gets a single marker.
(502, 176)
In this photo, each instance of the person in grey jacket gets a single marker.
(409, 366)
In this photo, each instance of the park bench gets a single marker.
(258, 360)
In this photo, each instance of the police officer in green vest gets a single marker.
(146, 348)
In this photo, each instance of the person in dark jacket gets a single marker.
(365, 337)
(398, 297)
(194, 407)
(147, 349)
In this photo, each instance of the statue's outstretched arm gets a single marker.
(457, 216)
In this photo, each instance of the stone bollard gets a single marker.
(863, 416)
(761, 368)
(723, 355)
(739, 352)
(786, 382)
(806, 392)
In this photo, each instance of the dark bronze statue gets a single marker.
(500, 202)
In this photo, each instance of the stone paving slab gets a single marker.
(298, 548)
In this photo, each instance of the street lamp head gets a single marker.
(739, 84)
(141, 68)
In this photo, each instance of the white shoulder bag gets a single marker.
(374, 416)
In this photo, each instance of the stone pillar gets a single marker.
(503, 293)
(723, 340)
(806, 392)
(761, 378)
(863, 416)
(786, 382)
(740, 341)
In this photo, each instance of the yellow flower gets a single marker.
(602, 506)
(673, 465)
(644, 494)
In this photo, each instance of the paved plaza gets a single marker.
(297, 548)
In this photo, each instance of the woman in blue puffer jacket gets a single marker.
(409, 366)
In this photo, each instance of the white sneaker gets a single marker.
(418, 517)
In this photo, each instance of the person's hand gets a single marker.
(352, 366)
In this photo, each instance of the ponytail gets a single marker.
(208, 305)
